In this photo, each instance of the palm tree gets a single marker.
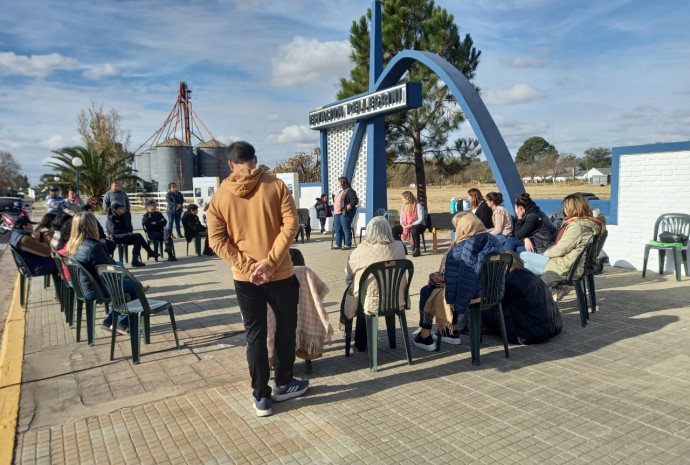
(98, 170)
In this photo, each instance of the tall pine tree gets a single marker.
(421, 133)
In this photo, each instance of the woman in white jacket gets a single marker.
(378, 246)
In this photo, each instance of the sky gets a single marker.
(580, 74)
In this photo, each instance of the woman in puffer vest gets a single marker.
(579, 225)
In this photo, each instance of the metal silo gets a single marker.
(174, 162)
(212, 159)
(144, 167)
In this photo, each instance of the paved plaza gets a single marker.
(617, 391)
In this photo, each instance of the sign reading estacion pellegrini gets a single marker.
(399, 98)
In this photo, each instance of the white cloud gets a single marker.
(101, 71)
(519, 93)
(34, 65)
(227, 140)
(522, 62)
(304, 60)
(54, 142)
(300, 134)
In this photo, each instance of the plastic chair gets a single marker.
(673, 223)
(304, 226)
(556, 217)
(25, 274)
(388, 277)
(493, 272)
(197, 246)
(576, 278)
(122, 250)
(591, 267)
(76, 270)
(138, 311)
(67, 296)
(157, 245)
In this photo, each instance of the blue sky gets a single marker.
(581, 74)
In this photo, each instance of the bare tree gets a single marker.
(307, 165)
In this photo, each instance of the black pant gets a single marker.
(135, 239)
(415, 232)
(283, 296)
(424, 294)
(323, 224)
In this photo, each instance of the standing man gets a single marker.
(175, 201)
(252, 221)
(55, 203)
(116, 195)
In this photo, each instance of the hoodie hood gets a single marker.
(243, 181)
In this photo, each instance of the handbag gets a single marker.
(438, 278)
(667, 237)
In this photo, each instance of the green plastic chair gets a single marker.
(197, 246)
(138, 311)
(493, 271)
(76, 269)
(591, 267)
(67, 296)
(673, 223)
(388, 277)
(25, 274)
(576, 278)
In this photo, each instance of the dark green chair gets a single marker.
(67, 296)
(678, 223)
(591, 268)
(25, 274)
(138, 311)
(576, 278)
(123, 251)
(76, 270)
(156, 245)
(197, 246)
(388, 278)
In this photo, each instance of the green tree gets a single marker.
(11, 179)
(418, 25)
(596, 157)
(533, 150)
(306, 165)
(99, 169)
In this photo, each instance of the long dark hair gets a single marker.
(343, 180)
(475, 197)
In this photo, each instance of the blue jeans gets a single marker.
(534, 262)
(514, 244)
(174, 217)
(501, 238)
(342, 225)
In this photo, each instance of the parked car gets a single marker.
(588, 195)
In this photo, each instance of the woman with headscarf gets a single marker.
(378, 246)
(460, 269)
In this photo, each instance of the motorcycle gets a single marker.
(9, 216)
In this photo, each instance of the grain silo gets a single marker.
(212, 159)
(174, 162)
(144, 167)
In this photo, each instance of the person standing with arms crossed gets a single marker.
(175, 201)
(252, 220)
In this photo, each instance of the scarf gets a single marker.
(408, 218)
(468, 226)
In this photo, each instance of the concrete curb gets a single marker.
(11, 360)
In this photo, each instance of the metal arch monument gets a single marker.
(352, 135)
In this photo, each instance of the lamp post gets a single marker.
(77, 162)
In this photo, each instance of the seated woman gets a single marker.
(464, 262)
(579, 225)
(194, 228)
(480, 208)
(533, 230)
(503, 223)
(531, 315)
(378, 246)
(43, 231)
(412, 220)
(85, 247)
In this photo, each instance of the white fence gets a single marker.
(139, 199)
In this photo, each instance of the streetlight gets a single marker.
(77, 162)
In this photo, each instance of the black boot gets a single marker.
(136, 261)
(171, 254)
(416, 253)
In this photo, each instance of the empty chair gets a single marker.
(304, 224)
(677, 224)
(138, 311)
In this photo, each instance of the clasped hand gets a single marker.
(261, 273)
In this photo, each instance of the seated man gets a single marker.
(193, 227)
(35, 253)
(121, 231)
(154, 223)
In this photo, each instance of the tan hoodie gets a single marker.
(253, 217)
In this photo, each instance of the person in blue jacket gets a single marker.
(463, 288)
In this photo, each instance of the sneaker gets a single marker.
(263, 407)
(108, 327)
(449, 338)
(295, 388)
(336, 248)
(346, 247)
(122, 330)
(424, 343)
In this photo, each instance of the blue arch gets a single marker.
(492, 143)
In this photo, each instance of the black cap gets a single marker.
(150, 202)
(116, 205)
(192, 206)
(54, 188)
(22, 221)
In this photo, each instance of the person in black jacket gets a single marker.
(154, 223)
(193, 227)
(480, 208)
(533, 230)
(175, 202)
(120, 230)
(323, 211)
(530, 313)
(344, 210)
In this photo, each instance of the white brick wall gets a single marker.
(650, 185)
